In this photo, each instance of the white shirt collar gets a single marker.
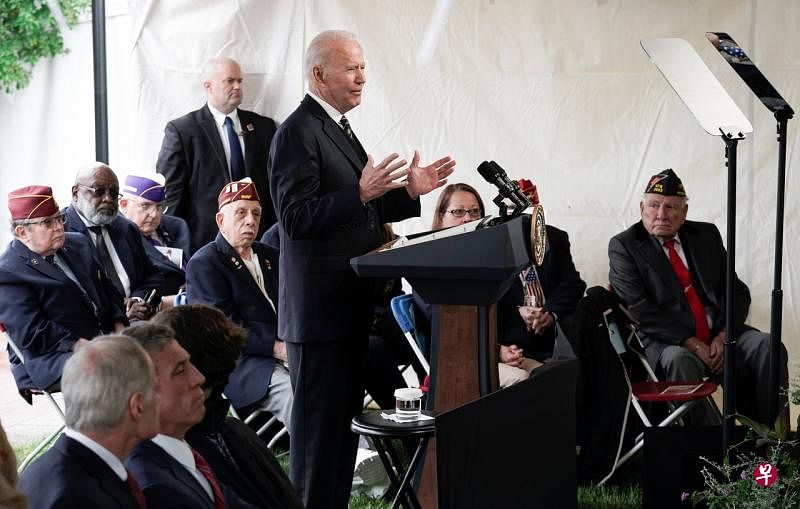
(332, 112)
(219, 117)
(112, 461)
(176, 448)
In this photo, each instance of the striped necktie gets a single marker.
(204, 468)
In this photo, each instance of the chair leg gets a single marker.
(39, 448)
(277, 437)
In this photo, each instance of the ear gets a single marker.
(75, 193)
(123, 203)
(20, 231)
(136, 406)
(318, 76)
(220, 217)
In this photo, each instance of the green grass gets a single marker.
(610, 497)
(22, 450)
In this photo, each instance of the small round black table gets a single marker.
(382, 431)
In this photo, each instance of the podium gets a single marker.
(463, 276)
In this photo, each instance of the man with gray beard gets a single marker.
(119, 246)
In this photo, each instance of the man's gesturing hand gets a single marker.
(423, 180)
(378, 180)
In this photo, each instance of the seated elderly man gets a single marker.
(166, 238)
(53, 292)
(671, 274)
(239, 276)
(238, 456)
(170, 472)
(119, 246)
(109, 394)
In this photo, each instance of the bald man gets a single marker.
(207, 148)
(94, 212)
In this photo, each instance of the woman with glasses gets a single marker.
(458, 204)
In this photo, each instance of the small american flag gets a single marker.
(531, 287)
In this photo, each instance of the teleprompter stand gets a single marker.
(769, 97)
(718, 115)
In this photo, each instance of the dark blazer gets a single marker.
(45, 312)
(217, 276)
(254, 474)
(313, 177)
(562, 286)
(642, 276)
(129, 245)
(167, 484)
(192, 158)
(69, 476)
(175, 233)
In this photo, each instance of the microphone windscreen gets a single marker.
(487, 171)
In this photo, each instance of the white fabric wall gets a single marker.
(558, 92)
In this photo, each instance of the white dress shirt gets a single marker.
(181, 452)
(108, 458)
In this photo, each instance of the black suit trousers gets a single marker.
(328, 383)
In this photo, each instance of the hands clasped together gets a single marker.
(376, 180)
(537, 319)
(712, 354)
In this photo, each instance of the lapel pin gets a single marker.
(269, 265)
(250, 127)
(236, 262)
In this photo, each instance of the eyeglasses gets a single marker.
(47, 222)
(476, 212)
(99, 192)
(148, 207)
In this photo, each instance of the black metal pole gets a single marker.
(776, 320)
(100, 82)
(729, 374)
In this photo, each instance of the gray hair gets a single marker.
(86, 171)
(213, 65)
(153, 338)
(99, 379)
(685, 198)
(319, 50)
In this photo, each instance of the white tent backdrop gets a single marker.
(557, 92)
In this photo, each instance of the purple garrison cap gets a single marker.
(149, 186)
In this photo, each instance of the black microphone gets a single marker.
(495, 175)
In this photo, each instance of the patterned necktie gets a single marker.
(351, 137)
(204, 468)
(136, 490)
(51, 259)
(685, 279)
(237, 162)
(105, 259)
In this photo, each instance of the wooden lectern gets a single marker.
(463, 276)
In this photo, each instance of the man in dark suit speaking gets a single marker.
(110, 400)
(671, 274)
(331, 200)
(207, 148)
